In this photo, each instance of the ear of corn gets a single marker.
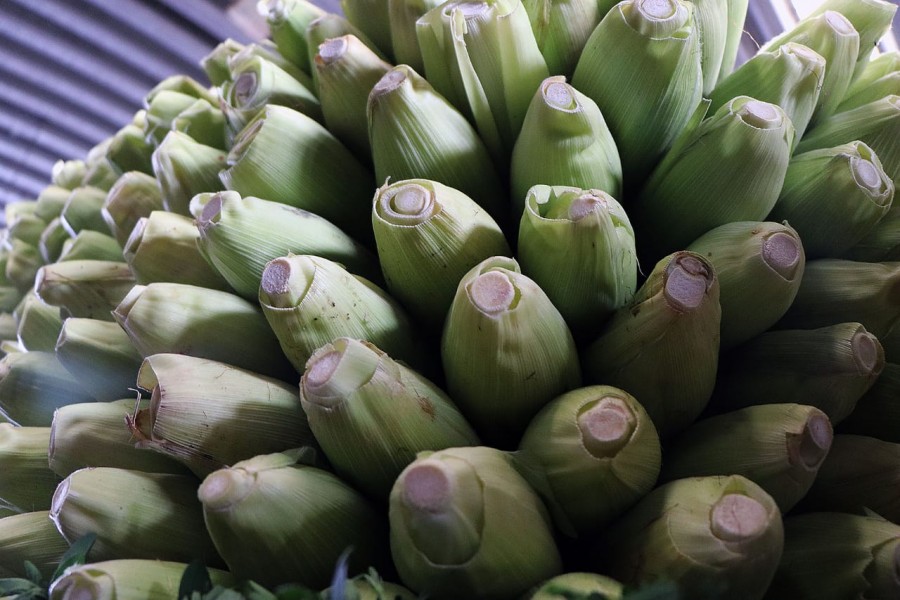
(877, 413)
(114, 579)
(288, 20)
(26, 482)
(83, 210)
(91, 245)
(30, 536)
(204, 122)
(871, 18)
(162, 110)
(404, 41)
(33, 385)
(22, 264)
(67, 174)
(578, 583)
(39, 324)
(880, 78)
(133, 196)
(84, 288)
(372, 17)
(129, 150)
(182, 84)
(561, 29)
(184, 168)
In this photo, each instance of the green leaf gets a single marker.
(75, 555)
(296, 592)
(195, 579)
(15, 586)
(33, 574)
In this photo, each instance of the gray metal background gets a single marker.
(74, 71)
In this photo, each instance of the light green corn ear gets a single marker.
(404, 40)
(130, 150)
(33, 385)
(428, 236)
(22, 265)
(179, 318)
(712, 20)
(53, 238)
(457, 514)
(96, 435)
(571, 584)
(881, 243)
(373, 18)
(877, 124)
(285, 156)
(68, 174)
(100, 172)
(564, 141)
(837, 291)
(204, 122)
(833, 556)
(330, 26)
(18, 209)
(133, 196)
(259, 507)
(780, 447)
(860, 473)
(737, 14)
(578, 245)
(871, 18)
(84, 288)
(39, 324)
(506, 350)
(415, 133)
(256, 82)
(833, 37)
(30, 536)
(162, 111)
(52, 199)
(157, 580)
(877, 413)
(346, 71)
(164, 515)
(790, 76)
(759, 267)
(164, 246)
(26, 482)
(663, 346)
(239, 236)
(7, 326)
(740, 153)
(483, 57)
(720, 535)
(829, 368)
(182, 84)
(372, 415)
(100, 356)
(27, 228)
(206, 414)
(288, 20)
(91, 245)
(834, 197)
(648, 97)
(83, 210)
(561, 29)
(309, 301)
(185, 168)
(591, 453)
(880, 78)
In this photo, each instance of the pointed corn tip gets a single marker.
(814, 442)
(225, 488)
(492, 293)
(867, 352)
(607, 427)
(736, 518)
(783, 253)
(688, 279)
(392, 80)
(426, 488)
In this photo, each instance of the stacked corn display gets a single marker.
(536, 299)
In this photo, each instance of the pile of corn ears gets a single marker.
(516, 299)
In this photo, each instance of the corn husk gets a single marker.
(836, 291)
(84, 288)
(83, 211)
(591, 453)
(561, 29)
(162, 511)
(164, 246)
(428, 236)
(162, 111)
(91, 245)
(52, 199)
(288, 20)
(134, 195)
(33, 385)
(8, 326)
(415, 133)
(829, 368)
(22, 264)
(740, 153)
(834, 197)
(129, 150)
(877, 414)
(68, 174)
(284, 156)
(569, 584)
(649, 100)
(39, 324)
(578, 245)
(759, 267)
(372, 17)
(564, 141)
(27, 228)
(239, 236)
(184, 168)
(215, 64)
(455, 514)
(880, 78)
(871, 18)
(713, 535)
(663, 346)
(404, 40)
(100, 172)
(330, 26)
(833, 556)
(208, 415)
(789, 75)
(712, 21)
(52, 240)
(127, 579)
(259, 507)
(860, 473)
(881, 243)
(372, 415)
(33, 537)
(100, 356)
(200, 322)
(506, 350)
(26, 483)
(182, 84)
(780, 447)
(483, 57)
(96, 435)
(346, 71)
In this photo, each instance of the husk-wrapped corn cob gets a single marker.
(561, 29)
(372, 17)
(185, 168)
(288, 20)
(455, 513)
(30, 536)
(129, 150)
(372, 415)
(52, 240)
(871, 18)
(183, 84)
(880, 78)
(26, 482)
(259, 508)
(39, 324)
(52, 199)
(91, 245)
(84, 288)
(403, 15)
(877, 413)
(564, 586)
(22, 264)
(27, 228)
(83, 210)
(33, 385)
(162, 110)
(68, 173)
(881, 243)
(116, 579)
(133, 196)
